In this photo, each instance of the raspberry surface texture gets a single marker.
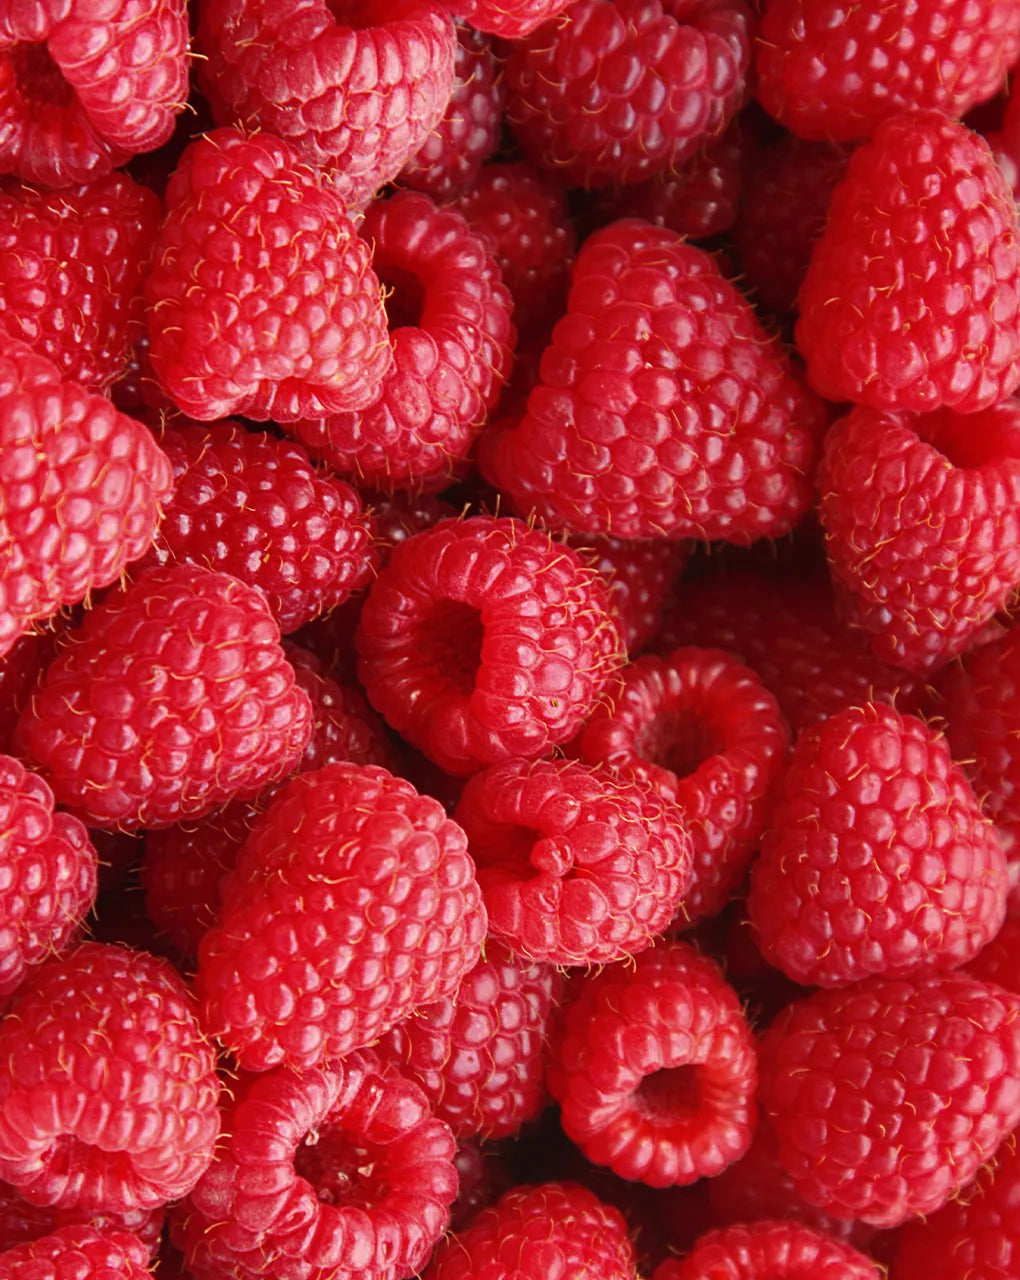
(81, 1252)
(510, 18)
(770, 1250)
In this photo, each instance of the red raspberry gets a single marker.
(483, 640)
(1005, 141)
(80, 491)
(354, 902)
(878, 859)
(888, 1096)
(173, 697)
(999, 960)
(921, 526)
(82, 88)
(452, 339)
(104, 1051)
(262, 300)
(21, 1222)
(834, 71)
(654, 1068)
(621, 434)
(513, 19)
(912, 297)
(355, 86)
(576, 867)
(708, 736)
(616, 90)
(642, 577)
(336, 1173)
(79, 1252)
(21, 670)
(534, 1233)
(767, 1250)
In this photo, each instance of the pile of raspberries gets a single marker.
(509, 639)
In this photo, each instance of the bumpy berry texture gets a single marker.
(21, 1222)
(999, 961)
(912, 297)
(356, 88)
(922, 531)
(81, 1252)
(103, 1048)
(767, 1250)
(335, 1173)
(21, 669)
(888, 1096)
(483, 640)
(576, 866)
(261, 296)
(642, 578)
(83, 89)
(621, 434)
(354, 902)
(510, 18)
(613, 92)
(655, 1069)
(173, 697)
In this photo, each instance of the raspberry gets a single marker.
(354, 902)
(888, 1096)
(617, 90)
(641, 577)
(513, 19)
(80, 491)
(768, 1249)
(81, 1252)
(1005, 142)
(654, 1068)
(878, 859)
(483, 640)
(21, 670)
(834, 71)
(21, 1222)
(104, 1050)
(354, 87)
(999, 960)
(172, 697)
(338, 1172)
(709, 737)
(921, 527)
(452, 339)
(262, 300)
(621, 434)
(83, 89)
(575, 866)
(912, 297)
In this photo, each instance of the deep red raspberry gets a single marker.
(21, 1222)
(770, 1250)
(621, 434)
(510, 18)
(83, 1253)
(1005, 141)
(337, 1173)
(82, 88)
(655, 1068)
(355, 86)
(104, 1050)
(21, 670)
(642, 577)
(262, 299)
(483, 1175)
(888, 1096)
(614, 91)
(173, 697)
(999, 961)
(345, 726)
(576, 867)
(912, 297)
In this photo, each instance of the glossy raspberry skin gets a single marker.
(21, 1222)
(126, 746)
(512, 19)
(912, 297)
(616, 90)
(337, 1173)
(104, 1049)
(21, 669)
(261, 296)
(620, 433)
(888, 1096)
(354, 902)
(80, 1252)
(355, 87)
(642, 578)
(654, 1068)
(999, 961)
(768, 1249)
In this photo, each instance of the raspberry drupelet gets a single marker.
(82, 1252)
(512, 19)
(770, 1250)
(21, 1222)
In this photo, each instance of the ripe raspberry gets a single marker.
(576, 867)
(767, 1250)
(999, 960)
(654, 1068)
(617, 90)
(912, 297)
(622, 435)
(709, 737)
(80, 491)
(354, 902)
(888, 1096)
(262, 300)
(354, 87)
(1005, 141)
(173, 697)
(21, 670)
(336, 1173)
(533, 1233)
(79, 1252)
(512, 19)
(21, 1222)
(921, 525)
(642, 577)
(834, 71)
(104, 1051)
(82, 89)
(452, 340)
(483, 640)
